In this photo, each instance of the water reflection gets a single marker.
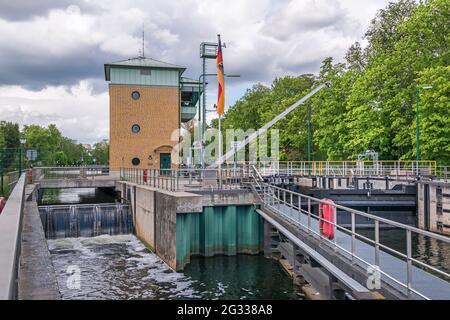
(431, 251)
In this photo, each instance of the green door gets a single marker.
(164, 163)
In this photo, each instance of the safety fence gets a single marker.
(396, 266)
(443, 173)
(400, 168)
(69, 172)
(188, 179)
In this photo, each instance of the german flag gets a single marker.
(220, 79)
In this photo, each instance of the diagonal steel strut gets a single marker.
(269, 124)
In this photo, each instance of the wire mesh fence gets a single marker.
(12, 163)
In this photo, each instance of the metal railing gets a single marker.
(443, 173)
(298, 209)
(75, 172)
(401, 168)
(10, 239)
(188, 179)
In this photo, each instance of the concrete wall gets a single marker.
(10, 240)
(226, 197)
(145, 216)
(165, 228)
(434, 206)
(176, 225)
(104, 182)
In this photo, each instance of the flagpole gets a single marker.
(220, 101)
(220, 151)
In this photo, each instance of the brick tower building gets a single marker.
(148, 101)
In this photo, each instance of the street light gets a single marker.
(22, 142)
(418, 120)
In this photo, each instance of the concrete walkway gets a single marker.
(37, 279)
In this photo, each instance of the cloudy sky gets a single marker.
(52, 52)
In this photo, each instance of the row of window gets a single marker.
(135, 128)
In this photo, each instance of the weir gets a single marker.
(72, 221)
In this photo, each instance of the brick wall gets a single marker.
(156, 112)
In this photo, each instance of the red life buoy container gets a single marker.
(145, 176)
(326, 212)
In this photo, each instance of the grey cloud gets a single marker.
(266, 58)
(25, 9)
(34, 72)
(285, 22)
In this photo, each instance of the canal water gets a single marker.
(120, 267)
(76, 196)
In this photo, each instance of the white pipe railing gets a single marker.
(279, 200)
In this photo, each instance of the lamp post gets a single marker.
(202, 110)
(22, 142)
(309, 133)
(418, 121)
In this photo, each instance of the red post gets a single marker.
(30, 175)
(2, 204)
(145, 175)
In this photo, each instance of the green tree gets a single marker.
(10, 134)
(101, 152)
(9, 145)
(329, 110)
(371, 103)
(53, 148)
(435, 114)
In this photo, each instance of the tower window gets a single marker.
(135, 95)
(135, 161)
(135, 128)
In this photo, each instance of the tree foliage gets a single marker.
(56, 150)
(372, 101)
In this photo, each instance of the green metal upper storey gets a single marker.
(143, 71)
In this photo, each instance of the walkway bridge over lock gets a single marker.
(357, 263)
(353, 261)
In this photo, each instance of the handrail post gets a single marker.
(335, 228)
(353, 237)
(408, 262)
(309, 215)
(300, 208)
(377, 243)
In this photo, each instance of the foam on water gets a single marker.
(115, 267)
(121, 267)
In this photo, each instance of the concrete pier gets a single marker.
(177, 225)
(433, 202)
